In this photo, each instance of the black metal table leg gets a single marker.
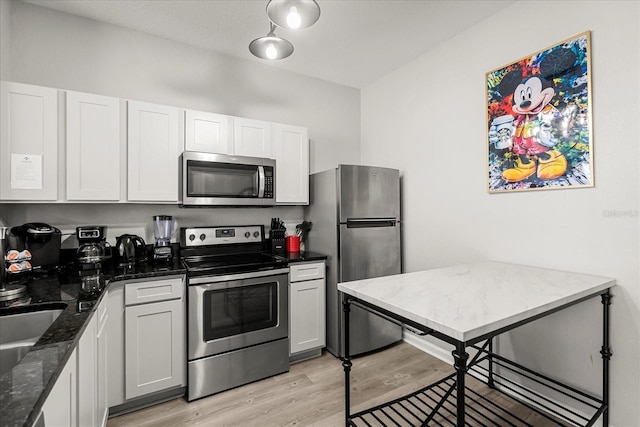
(346, 361)
(606, 355)
(460, 357)
(490, 381)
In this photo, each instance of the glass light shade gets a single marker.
(271, 47)
(293, 14)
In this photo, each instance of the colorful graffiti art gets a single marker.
(539, 126)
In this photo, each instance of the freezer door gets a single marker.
(369, 249)
(368, 192)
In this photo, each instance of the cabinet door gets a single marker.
(207, 132)
(252, 138)
(87, 384)
(28, 142)
(153, 152)
(102, 408)
(115, 346)
(154, 347)
(93, 147)
(61, 405)
(292, 164)
(307, 300)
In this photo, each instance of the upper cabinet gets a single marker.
(28, 142)
(292, 164)
(153, 152)
(252, 138)
(127, 151)
(207, 132)
(93, 147)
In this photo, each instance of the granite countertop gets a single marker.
(24, 389)
(303, 256)
(468, 301)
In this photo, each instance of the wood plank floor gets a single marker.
(310, 394)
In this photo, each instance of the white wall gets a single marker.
(428, 120)
(49, 48)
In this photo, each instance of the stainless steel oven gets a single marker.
(237, 309)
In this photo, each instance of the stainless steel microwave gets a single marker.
(221, 180)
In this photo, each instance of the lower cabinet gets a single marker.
(60, 408)
(87, 384)
(102, 331)
(307, 313)
(78, 398)
(147, 339)
(154, 358)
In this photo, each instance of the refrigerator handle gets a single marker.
(371, 222)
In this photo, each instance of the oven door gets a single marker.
(235, 311)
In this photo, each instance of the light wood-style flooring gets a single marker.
(310, 394)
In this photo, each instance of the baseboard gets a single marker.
(427, 347)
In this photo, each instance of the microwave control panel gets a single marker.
(268, 183)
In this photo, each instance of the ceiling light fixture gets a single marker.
(293, 14)
(271, 46)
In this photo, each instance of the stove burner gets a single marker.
(226, 250)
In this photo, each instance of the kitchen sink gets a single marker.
(20, 331)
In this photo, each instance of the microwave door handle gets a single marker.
(260, 181)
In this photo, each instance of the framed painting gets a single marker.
(539, 120)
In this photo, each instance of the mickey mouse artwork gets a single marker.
(539, 121)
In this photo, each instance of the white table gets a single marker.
(467, 305)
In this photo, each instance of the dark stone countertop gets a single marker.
(305, 256)
(25, 388)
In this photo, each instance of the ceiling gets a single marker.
(354, 43)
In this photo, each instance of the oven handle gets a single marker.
(241, 276)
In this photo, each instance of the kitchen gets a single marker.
(400, 120)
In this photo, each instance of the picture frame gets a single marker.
(539, 120)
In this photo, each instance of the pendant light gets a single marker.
(271, 46)
(293, 14)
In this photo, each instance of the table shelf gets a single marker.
(499, 405)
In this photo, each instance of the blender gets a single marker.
(163, 228)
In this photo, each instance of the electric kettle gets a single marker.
(131, 249)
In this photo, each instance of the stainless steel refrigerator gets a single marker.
(355, 211)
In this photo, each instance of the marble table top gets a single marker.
(468, 301)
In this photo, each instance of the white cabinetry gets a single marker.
(154, 147)
(28, 142)
(102, 331)
(115, 345)
(307, 318)
(154, 336)
(92, 369)
(207, 132)
(60, 408)
(93, 147)
(292, 164)
(87, 384)
(252, 138)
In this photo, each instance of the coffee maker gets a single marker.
(163, 228)
(93, 248)
(42, 241)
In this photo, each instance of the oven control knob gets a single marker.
(256, 234)
(247, 234)
(192, 237)
(203, 236)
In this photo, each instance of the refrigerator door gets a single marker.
(368, 192)
(369, 248)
